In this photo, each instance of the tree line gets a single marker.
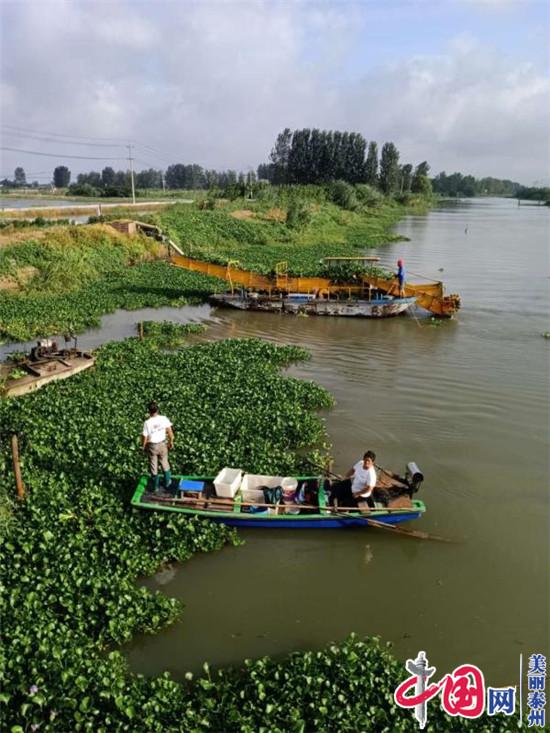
(306, 156)
(458, 184)
(534, 193)
(109, 182)
(177, 176)
(323, 156)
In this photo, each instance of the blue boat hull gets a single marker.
(305, 523)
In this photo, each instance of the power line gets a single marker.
(59, 135)
(53, 136)
(158, 153)
(57, 155)
(44, 138)
(146, 162)
(35, 173)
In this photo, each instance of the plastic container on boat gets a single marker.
(227, 482)
(190, 485)
(289, 484)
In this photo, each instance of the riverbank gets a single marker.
(299, 225)
(60, 279)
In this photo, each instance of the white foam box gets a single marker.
(227, 482)
(254, 481)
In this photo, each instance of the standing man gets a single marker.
(157, 439)
(401, 277)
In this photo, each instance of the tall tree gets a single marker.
(122, 181)
(175, 176)
(279, 156)
(406, 178)
(61, 176)
(421, 171)
(108, 176)
(371, 165)
(299, 158)
(150, 178)
(265, 172)
(19, 177)
(356, 160)
(389, 169)
(93, 178)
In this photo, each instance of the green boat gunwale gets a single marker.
(418, 507)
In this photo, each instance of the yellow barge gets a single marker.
(429, 295)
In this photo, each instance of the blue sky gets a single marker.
(427, 27)
(463, 84)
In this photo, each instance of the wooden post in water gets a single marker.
(141, 330)
(17, 468)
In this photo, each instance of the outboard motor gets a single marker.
(414, 477)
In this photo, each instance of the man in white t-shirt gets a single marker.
(363, 477)
(157, 438)
(358, 484)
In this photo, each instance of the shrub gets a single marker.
(82, 189)
(368, 195)
(343, 195)
(297, 215)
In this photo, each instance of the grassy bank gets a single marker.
(64, 279)
(60, 259)
(59, 279)
(299, 225)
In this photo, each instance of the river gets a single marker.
(467, 400)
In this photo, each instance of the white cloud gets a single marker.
(496, 4)
(214, 82)
(469, 110)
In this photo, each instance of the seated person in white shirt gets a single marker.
(363, 479)
(358, 484)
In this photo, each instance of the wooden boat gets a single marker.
(196, 497)
(381, 306)
(26, 376)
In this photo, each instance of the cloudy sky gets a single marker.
(463, 84)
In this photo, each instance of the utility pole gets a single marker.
(132, 173)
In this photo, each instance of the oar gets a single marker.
(402, 530)
(214, 500)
